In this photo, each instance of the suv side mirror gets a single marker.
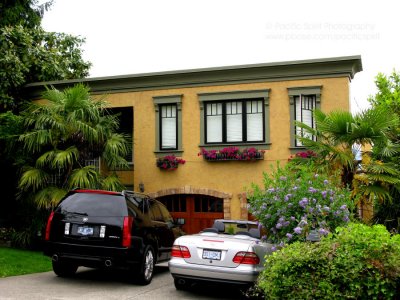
(180, 221)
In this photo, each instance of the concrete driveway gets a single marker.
(99, 284)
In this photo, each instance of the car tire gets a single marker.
(63, 269)
(182, 284)
(146, 270)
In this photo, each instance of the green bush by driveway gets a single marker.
(18, 262)
(358, 262)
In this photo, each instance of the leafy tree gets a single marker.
(387, 98)
(64, 136)
(27, 13)
(33, 55)
(27, 54)
(338, 131)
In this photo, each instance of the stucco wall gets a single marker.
(226, 177)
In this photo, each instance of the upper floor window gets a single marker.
(235, 121)
(235, 117)
(168, 127)
(303, 102)
(168, 123)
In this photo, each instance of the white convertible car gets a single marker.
(230, 252)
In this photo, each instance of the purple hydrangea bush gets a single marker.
(295, 201)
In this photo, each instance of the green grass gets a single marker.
(18, 262)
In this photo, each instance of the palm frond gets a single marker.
(86, 177)
(35, 140)
(112, 183)
(49, 197)
(46, 159)
(65, 158)
(34, 179)
(374, 192)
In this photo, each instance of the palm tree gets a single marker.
(66, 136)
(336, 134)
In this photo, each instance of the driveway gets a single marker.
(99, 284)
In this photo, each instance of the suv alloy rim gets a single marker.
(148, 265)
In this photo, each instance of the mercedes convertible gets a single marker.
(230, 252)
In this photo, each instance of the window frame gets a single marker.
(235, 96)
(294, 92)
(175, 107)
(158, 102)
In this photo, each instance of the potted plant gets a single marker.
(232, 153)
(169, 162)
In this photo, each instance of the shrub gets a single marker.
(358, 262)
(296, 201)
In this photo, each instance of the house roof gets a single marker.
(345, 66)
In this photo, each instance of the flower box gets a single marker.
(232, 154)
(169, 162)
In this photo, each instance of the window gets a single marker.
(168, 123)
(235, 117)
(303, 101)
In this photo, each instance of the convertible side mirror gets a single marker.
(180, 221)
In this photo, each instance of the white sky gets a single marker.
(130, 37)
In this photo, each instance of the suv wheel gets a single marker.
(63, 269)
(147, 267)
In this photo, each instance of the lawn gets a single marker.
(18, 262)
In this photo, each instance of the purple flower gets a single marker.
(273, 248)
(324, 193)
(289, 236)
(292, 218)
(343, 207)
(346, 219)
(326, 208)
(323, 231)
(326, 182)
(278, 225)
(298, 230)
(303, 203)
(312, 190)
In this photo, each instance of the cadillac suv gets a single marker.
(96, 228)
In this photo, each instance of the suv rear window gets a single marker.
(94, 204)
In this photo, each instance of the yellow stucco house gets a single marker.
(250, 108)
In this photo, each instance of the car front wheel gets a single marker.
(147, 267)
(64, 269)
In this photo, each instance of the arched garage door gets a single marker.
(199, 211)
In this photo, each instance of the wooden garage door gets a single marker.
(199, 211)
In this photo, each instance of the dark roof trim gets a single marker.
(346, 66)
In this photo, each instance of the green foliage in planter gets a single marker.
(357, 262)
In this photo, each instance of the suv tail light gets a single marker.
(180, 251)
(248, 258)
(48, 226)
(126, 232)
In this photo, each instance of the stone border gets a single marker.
(189, 190)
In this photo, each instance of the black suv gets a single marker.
(96, 228)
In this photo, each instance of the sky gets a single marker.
(132, 37)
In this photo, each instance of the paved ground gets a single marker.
(98, 284)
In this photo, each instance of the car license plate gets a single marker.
(211, 254)
(85, 230)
